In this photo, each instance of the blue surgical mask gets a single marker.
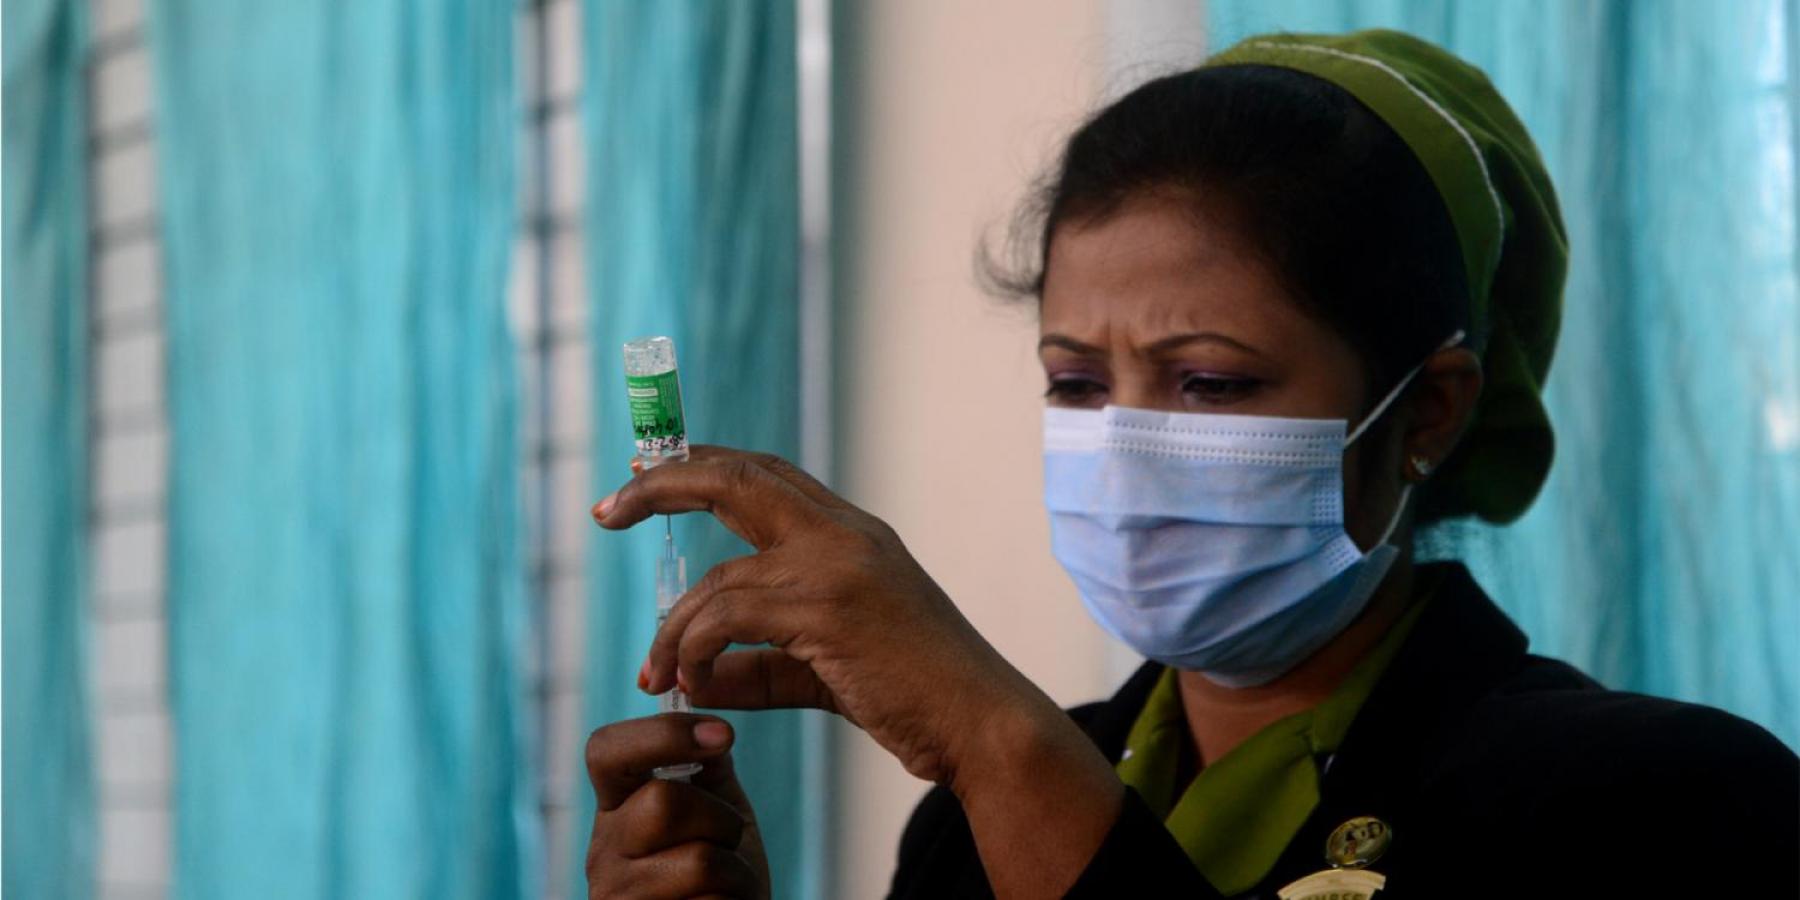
(1212, 543)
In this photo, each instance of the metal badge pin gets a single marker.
(1358, 842)
(1351, 847)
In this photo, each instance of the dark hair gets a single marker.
(1320, 186)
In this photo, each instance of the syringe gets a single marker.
(671, 583)
(653, 391)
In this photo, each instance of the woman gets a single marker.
(1295, 305)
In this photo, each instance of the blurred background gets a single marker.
(311, 325)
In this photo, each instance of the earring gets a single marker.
(1421, 466)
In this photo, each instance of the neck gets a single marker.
(1219, 718)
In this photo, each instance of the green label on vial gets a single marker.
(655, 402)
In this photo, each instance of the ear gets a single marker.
(1441, 408)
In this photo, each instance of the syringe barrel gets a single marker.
(671, 581)
(653, 395)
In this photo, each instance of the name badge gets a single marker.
(1335, 884)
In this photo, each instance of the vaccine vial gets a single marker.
(653, 394)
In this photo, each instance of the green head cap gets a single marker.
(1504, 209)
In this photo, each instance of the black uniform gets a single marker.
(1500, 773)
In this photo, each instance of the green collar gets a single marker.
(1239, 813)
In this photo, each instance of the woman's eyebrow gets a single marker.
(1175, 341)
(1068, 343)
(1160, 346)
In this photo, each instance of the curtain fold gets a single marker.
(346, 586)
(48, 780)
(1660, 556)
(693, 232)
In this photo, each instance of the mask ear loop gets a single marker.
(1394, 394)
(1394, 521)
(1406, 490)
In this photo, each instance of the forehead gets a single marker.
(1157, 265)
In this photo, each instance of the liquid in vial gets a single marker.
(653, 394)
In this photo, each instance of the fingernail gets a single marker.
(605, 506)
(681, 680)
(712, 735)
(643, 681)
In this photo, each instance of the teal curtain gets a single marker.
(347, 600)
(1662, 554)
(49, 793)
(693, 232)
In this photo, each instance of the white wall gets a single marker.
(129, 452)
(548, 301)
(950, 109)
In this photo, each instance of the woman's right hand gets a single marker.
(657, 838)
(856, 627)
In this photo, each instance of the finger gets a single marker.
(732, 574)
(780, 468)
(743, 616)
(693, 869)
(762, 679)
(671, 652)
(662, 814)
(622, 755)
(756, 505)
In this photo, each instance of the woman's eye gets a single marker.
(1074, 391)
(1215, 389)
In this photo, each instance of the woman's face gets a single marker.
(1157, 308)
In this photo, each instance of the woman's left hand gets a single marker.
(859, 628)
